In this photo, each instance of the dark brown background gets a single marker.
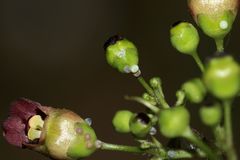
(51, 52)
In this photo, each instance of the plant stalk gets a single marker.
(219, 44)
(172, 154)
(229, 149)
(198, 61)
(146, 85)
(198, 142)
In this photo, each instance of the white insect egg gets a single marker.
(134, 68)
(88, 121)
(171, 154)
(223, 24)
(153, 131)
(127, 69)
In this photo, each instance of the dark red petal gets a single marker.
(13, 124)
(14, 138)
(14, 131)
(24, 108)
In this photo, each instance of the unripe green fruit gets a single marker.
(121, 121)
(140, 125)
(174, 122)
(211, 116)
(216, 27)
(195, 90)
(184, 37)
(68, 136)
(222, 77)
(122, 54)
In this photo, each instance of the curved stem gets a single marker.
(154, 92)
(180, 97)
(230, 151)
(144, 102)
(145, 85)
(158, 92)
(198, 61)
(160, 97)
(198, 142)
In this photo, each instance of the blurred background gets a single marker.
(52, 52)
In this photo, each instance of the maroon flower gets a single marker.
(58, 133)
(15, 127)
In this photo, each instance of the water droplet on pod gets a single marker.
(88, 121)
(153, 131)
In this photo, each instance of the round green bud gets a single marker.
(184, 37)
(211, 115)
(216, 27)
(121, 54)
(121, 121)
(155, 82)
(222, 77)
(140, 125)
(195, 90)
(149, 98)
(173, 122)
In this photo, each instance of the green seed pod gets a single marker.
(121, 121)
(68, 136)
(184, 37)
(211, 115)
(174, 122)
(140, 125)
(122, 54)
(215, 17)
(195, 90)
(222, 77)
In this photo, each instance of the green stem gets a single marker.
(219, 43)
(158, 92)
(198, 61)
(173, 154)
(144, 102)
(145, 85)
(160, 98)
(198, 142)
(230, 151)
(122, 148)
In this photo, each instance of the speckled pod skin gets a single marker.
(212, 7)
(214, 17)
